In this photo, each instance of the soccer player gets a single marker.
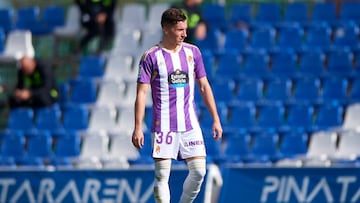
(171, 69)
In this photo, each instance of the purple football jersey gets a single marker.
(172, 78)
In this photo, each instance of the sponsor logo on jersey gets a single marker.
(178, 78)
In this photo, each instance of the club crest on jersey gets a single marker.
(157, 149)
(178, 78)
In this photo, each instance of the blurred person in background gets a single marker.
(196, 23)
(171, 69)
(35, 87)
(97, 19)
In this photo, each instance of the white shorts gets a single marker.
(178, 145)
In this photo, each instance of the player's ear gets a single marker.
(166, 29)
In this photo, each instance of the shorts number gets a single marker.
(168, 138)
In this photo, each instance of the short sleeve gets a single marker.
(145, 69)
(199, 64)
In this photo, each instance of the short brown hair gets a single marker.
(172, 16)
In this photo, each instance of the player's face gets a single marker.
(177, 33)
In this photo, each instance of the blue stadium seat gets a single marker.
(48, 118)
(294, 145)
(296, 12)
(256, 65)
(229, 65)
(241, 15)
(39, 144)
(53, 16)
(145, 152)
(30, 163)
(148, 115)
(91, 66)
(236, 40)
(242, 117)
(268, 13)
(212, 147)
(197, 97)
(354, 95)
(211, 41)
(299, 118)
(21, 119)
(209, 64)
(215, 16)
(83, 91)
(237, 148)
(27, 17)
(324, 12)
(328, 117)
(284, 64)
(357, 61)
(265, 148)
(290, 37)
(61, 163)
(13, 144)
(206, 119)
(307, 91)
(278, 91)
(319, 36)
(263, 38)
(6, 19)
(8, 163)
(2, 39)
(312, 64)
(334, 90)
(64, 93)
(270, 118)
(347, 35)
(340, 63)
(75, 117)
(250, 90)
(224, 90)
(350, 11)
(67, 144)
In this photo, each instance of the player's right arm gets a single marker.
(138, 135)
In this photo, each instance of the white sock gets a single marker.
(192, 184)
(161, 186)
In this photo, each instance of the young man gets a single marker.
(171, 69)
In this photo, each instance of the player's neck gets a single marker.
(170, 47)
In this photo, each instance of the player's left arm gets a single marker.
(208, 97)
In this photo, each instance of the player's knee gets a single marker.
(198, 173)
(162, 170)
(197, 168)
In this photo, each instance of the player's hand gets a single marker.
(138, 138)
(217, 131)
